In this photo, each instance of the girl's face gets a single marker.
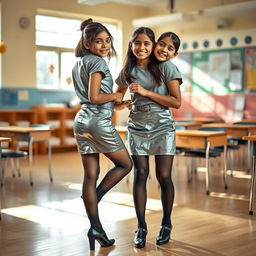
(101, 45)
(165, 49)
(142, 47)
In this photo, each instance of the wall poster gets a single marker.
(250, 68)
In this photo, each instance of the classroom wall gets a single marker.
(18, 63)
(224, 106)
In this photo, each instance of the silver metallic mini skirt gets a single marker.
(94, 130)
(151, 130)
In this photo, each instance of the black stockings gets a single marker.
(141, 171)
(163, 165)
(164, 177)
(92, 195)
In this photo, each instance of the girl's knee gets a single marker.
(127, 166)
(141, 174)
(164, 179)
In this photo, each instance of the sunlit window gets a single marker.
(67, 60)
(56, 40)
(58, 32)
(47, 68)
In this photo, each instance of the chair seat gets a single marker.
(201, 153)
(8, 153)
(238, 141)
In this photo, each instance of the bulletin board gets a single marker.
(184, 63)
(218, 71)
(250, 68)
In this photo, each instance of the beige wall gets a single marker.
(18, 63)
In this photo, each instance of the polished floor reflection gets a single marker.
(49, 218)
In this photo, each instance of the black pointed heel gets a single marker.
(140, 238)
(91, 242)
(164, 235)
(101, 237)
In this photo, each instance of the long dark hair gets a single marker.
(174, 37)
(131, 60)
(90, 30)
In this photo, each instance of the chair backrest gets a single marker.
(216, 129)
(180, 127)
(46, 126)
(245, 123)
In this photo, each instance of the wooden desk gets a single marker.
(189, 126)
(31, 135)
(236, 131)
(201, 120)
(204, 140)
(253, 171)
(2, 139)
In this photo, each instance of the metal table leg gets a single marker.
(252, 188)
(207, 168)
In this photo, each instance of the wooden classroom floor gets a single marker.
(49, 219)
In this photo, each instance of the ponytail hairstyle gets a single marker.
(174, 37)
(90, 30)
(131, 60)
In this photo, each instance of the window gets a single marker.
(56, 39)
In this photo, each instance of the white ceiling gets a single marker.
(221, 11)
(145, 3)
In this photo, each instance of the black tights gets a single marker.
(92, 195)
(163, 165)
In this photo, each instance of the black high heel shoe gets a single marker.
(101, 237)
(164, 235)
(140, 238)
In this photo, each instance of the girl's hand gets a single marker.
(123, 105)
(137, 88)
(127, 104)
(119, 97)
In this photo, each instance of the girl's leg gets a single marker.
(141, 172)
(91, 174)
(123, 165)
(89, 196)
(164, 177)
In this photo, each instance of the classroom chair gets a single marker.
(10, 154)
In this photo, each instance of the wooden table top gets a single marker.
(251, 138)
(200, 119)
(23, 129)
(189, 125)
(199, 133)
(231, 126)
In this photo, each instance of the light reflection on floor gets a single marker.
(115, 206)
(48, 217)
(235, 173)
(229, 196)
